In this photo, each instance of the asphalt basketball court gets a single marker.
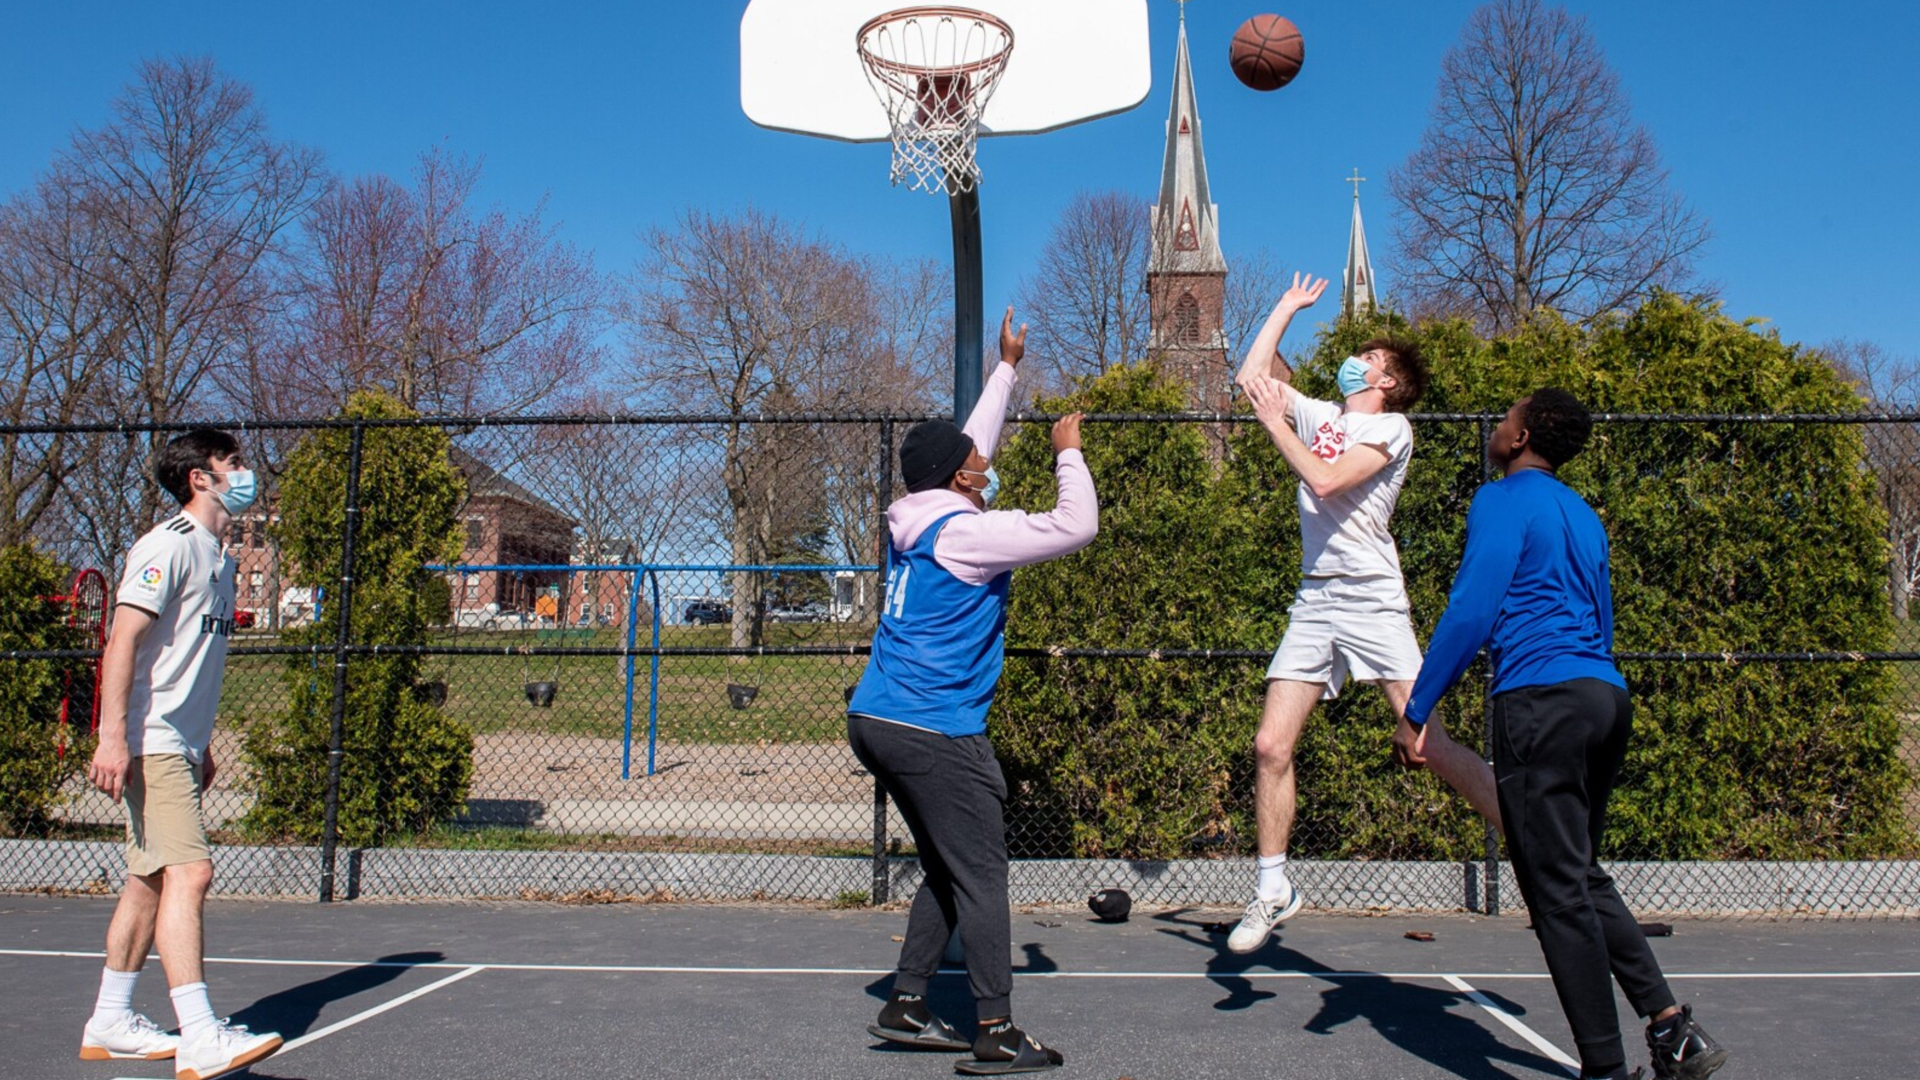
(453, 991)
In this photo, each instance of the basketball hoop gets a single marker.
(934, 69)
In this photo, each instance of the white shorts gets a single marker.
(1342, 626)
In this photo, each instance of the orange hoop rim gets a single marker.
(885, 66)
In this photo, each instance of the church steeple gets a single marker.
(1186, 272)
(1357, 294)
(1185, 221)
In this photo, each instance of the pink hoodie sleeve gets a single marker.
(976, 548)
(990, 412)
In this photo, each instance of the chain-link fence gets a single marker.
(610, 656)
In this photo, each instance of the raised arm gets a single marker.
(1263, 356)
(977, 548)
(990, 412)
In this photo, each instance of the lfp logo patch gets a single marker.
(149, 579)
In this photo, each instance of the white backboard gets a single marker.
(1072, 61)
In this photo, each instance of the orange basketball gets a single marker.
(1267, 52)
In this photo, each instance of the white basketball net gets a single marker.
(934, 68)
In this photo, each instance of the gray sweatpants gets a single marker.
(953, 796)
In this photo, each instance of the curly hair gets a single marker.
(1558, 425)
(1408, 368)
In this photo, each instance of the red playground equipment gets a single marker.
(87, 603)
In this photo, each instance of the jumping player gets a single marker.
(160, 682)
(1350, 616)
(917, 721)
(1534, 588)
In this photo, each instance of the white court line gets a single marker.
(1533, 1037)
(314, 1036)
(341, 1025)
(669, 969)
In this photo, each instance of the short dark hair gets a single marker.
(184, 453)
(1557, 425)
(1408, 368)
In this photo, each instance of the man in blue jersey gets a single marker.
(918, 719)
(1534, 588)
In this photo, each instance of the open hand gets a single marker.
(1410, 745)
(1066, 433)
(1012, 346)
(1304, 292)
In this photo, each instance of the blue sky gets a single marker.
(1790, 127)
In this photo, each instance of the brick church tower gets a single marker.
(1186, 272)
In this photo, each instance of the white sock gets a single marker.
(1273, 876)
(194, 1011)
(116, 997)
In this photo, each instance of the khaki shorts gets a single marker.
(164, 827)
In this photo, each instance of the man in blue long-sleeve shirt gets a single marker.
(1533, 587)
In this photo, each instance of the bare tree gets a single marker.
(1891, 383)
(896, 366)
(57, 334)
(1252, 288)
(738, 316)
(1086, 300)
(189, 196)
(1532, 186)
(452, 309)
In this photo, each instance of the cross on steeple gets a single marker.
(1358, 295)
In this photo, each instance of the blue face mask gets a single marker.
(239, 492)
(1352, 377)
(993, 484)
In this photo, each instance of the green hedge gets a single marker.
(1737, 536)
(38, 755)
(407, 764)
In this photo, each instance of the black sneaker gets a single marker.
(1682, 1048)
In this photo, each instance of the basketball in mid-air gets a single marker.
(1267, 52)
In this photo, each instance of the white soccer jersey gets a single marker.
(180, 574)
(1346, 535)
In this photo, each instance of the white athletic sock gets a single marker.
(194, 1011)
(116, 996)
(1273, 876)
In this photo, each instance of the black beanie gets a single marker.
(931, 453)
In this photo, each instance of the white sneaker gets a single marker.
(223, 1048)
(1261, 917)
(132, 1036)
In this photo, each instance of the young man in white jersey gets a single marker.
(159, 687)
(1350, 616)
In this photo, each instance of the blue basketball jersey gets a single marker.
(938, 650)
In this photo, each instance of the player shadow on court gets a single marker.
(1424, 1021)
(294, 1011)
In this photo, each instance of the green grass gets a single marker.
(801, 698)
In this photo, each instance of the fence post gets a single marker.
(330, 831)
(878, 891)
(1492, 836)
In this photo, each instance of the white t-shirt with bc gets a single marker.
(1346, 535)
(180, 574)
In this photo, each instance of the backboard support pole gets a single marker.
(969, 303)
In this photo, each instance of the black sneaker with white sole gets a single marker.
(1682, 1048)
